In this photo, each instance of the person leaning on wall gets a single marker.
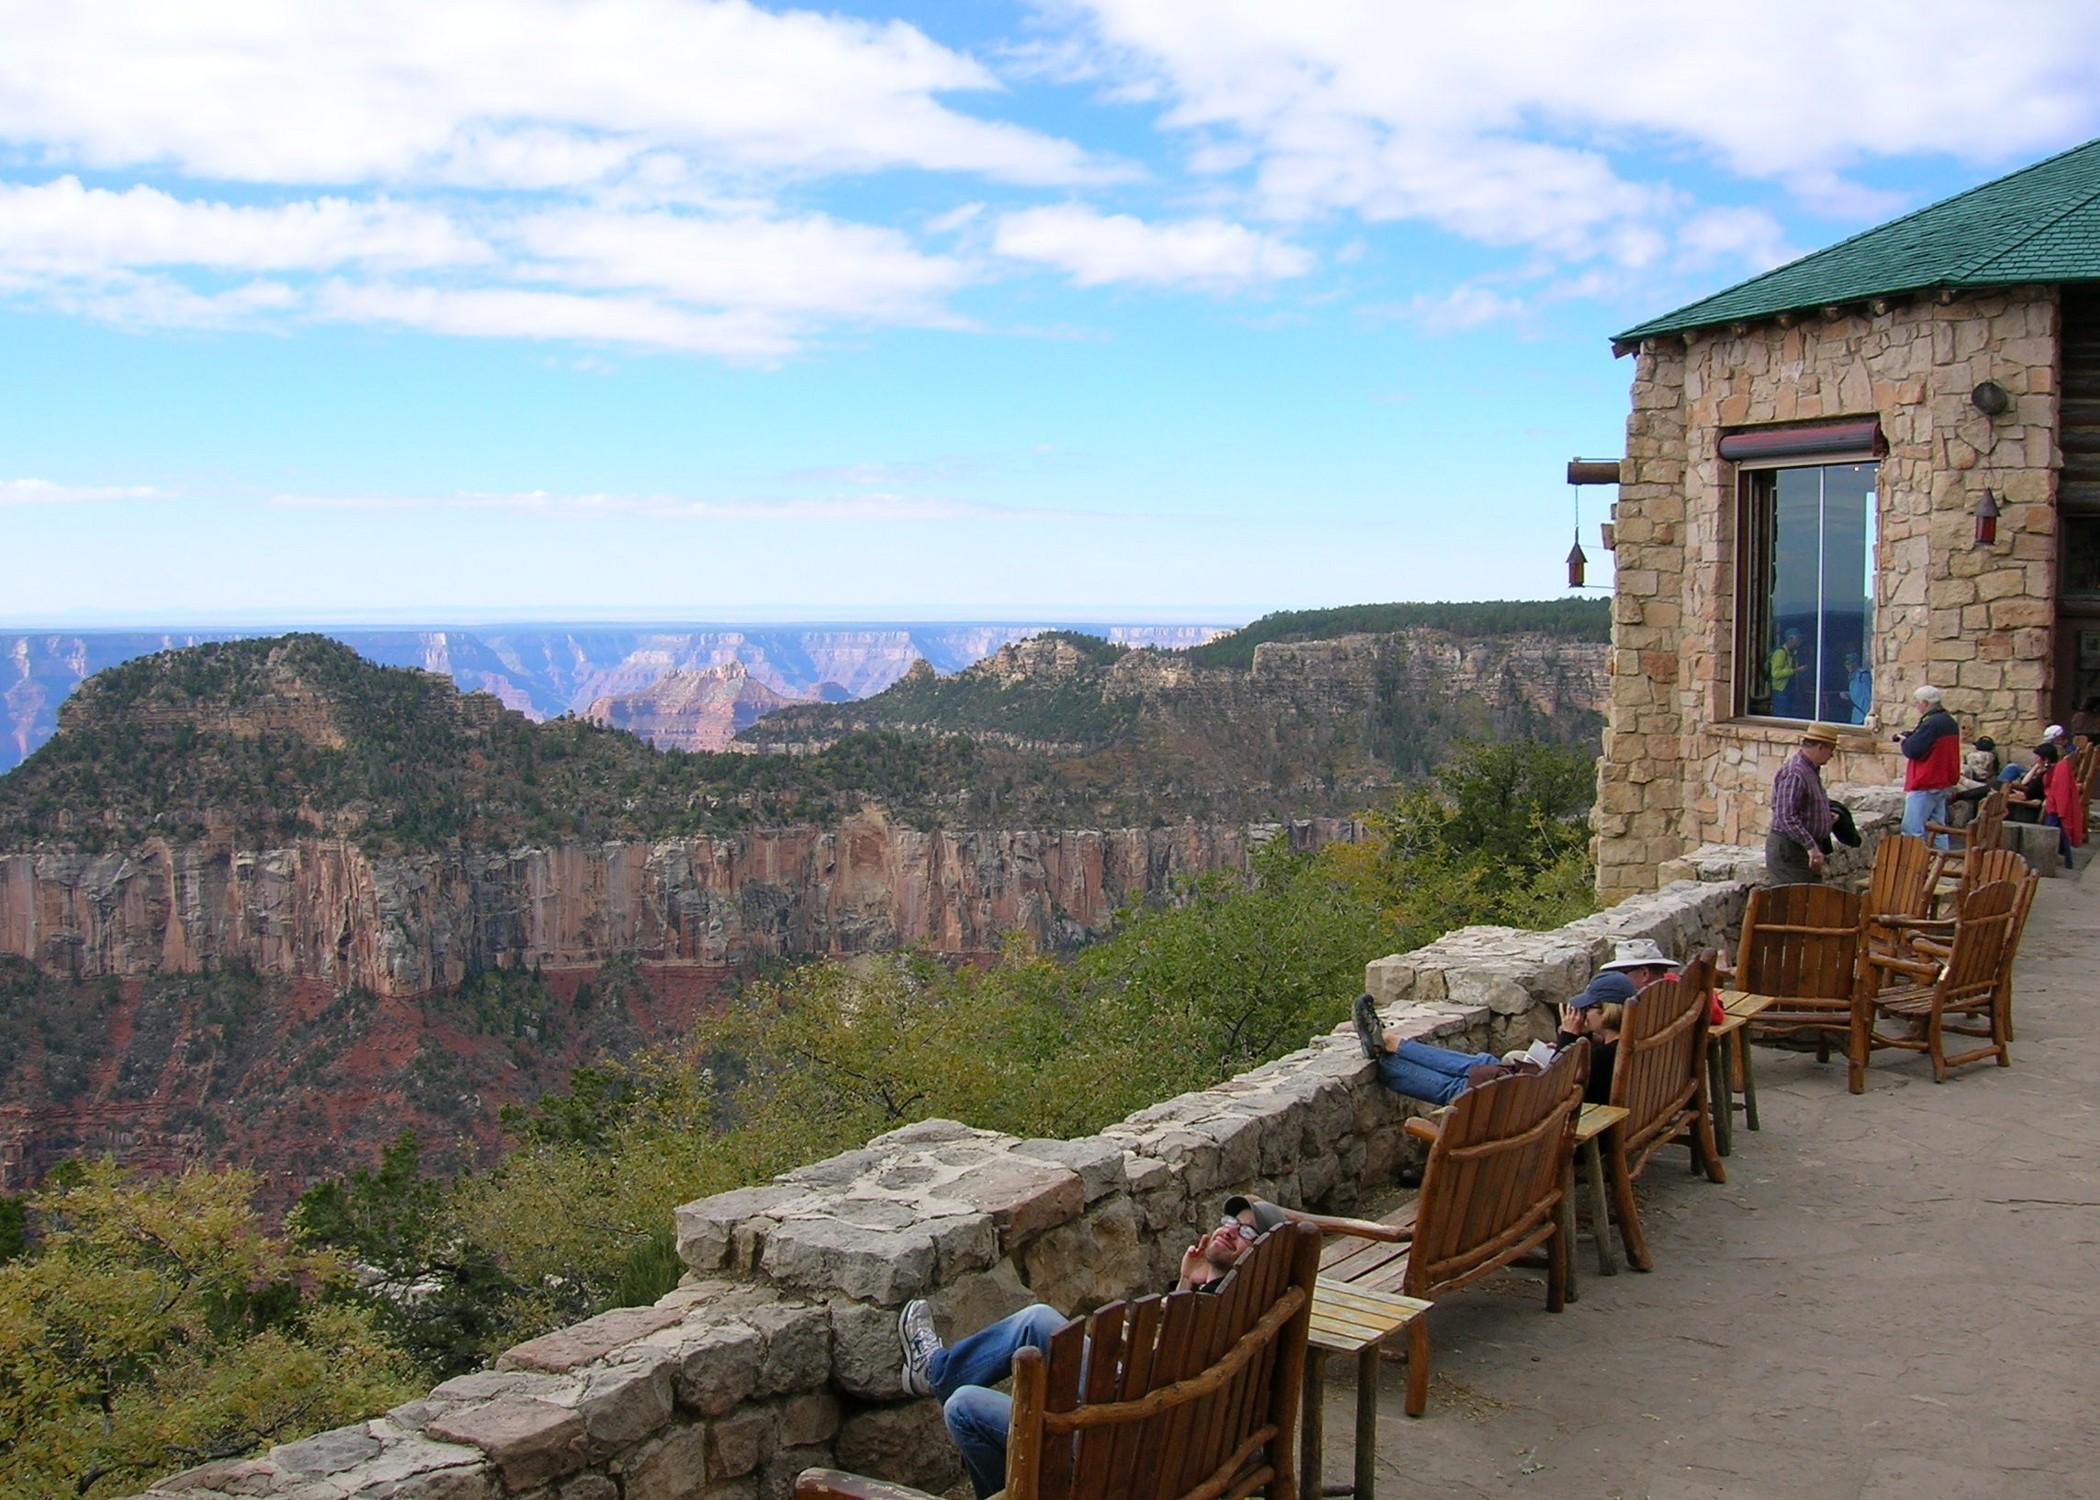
(1801, 812)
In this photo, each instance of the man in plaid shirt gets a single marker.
(1801, 815)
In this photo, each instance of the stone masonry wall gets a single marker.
(779, 1349)
(1678, 771)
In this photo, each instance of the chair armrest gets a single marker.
(1901, 922)
(1902, 965)
(1422, 1130)
(1939, 951)
(1961, 833)
(835, 1484)
(1367, 1229)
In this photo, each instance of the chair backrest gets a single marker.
(1988, 826)
(1983, 936)
(1987, 867)
(1190, 1394)
(1494, 1178)
(1657, 1074)
(2087, 762)
(1900, 884)
(1799, 942)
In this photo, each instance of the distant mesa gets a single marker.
(695, 710)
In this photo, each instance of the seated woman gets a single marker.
(1437, 1075)
(2062, 808)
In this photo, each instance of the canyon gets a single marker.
(546, 670)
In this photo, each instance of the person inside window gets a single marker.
(1784, 668)
(1859, 689)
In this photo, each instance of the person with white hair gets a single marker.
(1932, 752)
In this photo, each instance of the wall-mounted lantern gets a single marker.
(1987, 519)
(1575, 564)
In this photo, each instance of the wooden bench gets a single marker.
(1191, 1396)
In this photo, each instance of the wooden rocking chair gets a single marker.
(2025, 884)
(1800, 945)
(1492, 1190)
(1191, 1396)
(1660, 1078)
(1982, 833)
(1898, 893)
(1964, 986)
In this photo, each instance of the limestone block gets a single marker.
(739, 1442)
(798, 1346)
(717, 1362)
(626, 1400)
(1098, 1162)
(528, 1440)
(812, 1417)
(1089, 1261)
(568, 1348)
(776, 1477)
(1022, 1198)
(907, 1444)
(326, 1452)
(673, 1467)
(827, 1254)
(707, 1227)
(589, 1487)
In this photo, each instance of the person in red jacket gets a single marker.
(1933, 755)
(2062, 807)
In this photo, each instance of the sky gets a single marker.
(453, 310)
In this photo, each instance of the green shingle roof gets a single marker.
(2041, 223)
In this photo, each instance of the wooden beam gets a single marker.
(1593, 471)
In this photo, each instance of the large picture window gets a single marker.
(1805, 592)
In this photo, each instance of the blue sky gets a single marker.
(452, 310)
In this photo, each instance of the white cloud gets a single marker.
(60, 228)
(873, 508)
(1748, 236)
(1097, 249)
(45, 492)
(1463, 307)
(499, 92)
(508, 312)
(1493, 120)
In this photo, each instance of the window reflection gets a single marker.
(1805, 638)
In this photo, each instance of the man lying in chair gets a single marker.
(962, 1374)
(1438, 1075)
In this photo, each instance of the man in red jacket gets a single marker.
(1933, 755)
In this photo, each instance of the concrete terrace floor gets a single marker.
(1894, 1295)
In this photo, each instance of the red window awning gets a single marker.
(1806, 440)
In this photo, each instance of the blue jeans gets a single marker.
(1436, 1075)
(1920, 808)
(2063, 839)
(962, 1375)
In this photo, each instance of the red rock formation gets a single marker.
(683, 710)
(404, 925)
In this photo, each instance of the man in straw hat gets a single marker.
(1801, 815)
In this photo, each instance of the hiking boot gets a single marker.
(921, 1343)
(1370, 1031)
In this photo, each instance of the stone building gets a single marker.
(1875, 467)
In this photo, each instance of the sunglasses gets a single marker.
(1230, 1225)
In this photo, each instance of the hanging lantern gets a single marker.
(1575, 564)
(1987, 519)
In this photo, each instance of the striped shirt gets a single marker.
(1800, 807)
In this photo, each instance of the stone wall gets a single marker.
(1679, 770)
(779, 1350)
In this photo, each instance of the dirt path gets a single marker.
(1896, 1295)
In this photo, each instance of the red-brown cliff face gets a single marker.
(407, 924)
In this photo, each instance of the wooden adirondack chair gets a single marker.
(1980, 834)
(1800, 944)
(1191, 1396)
(1659, 1079)
(1964, 985)
(1898, 893)
(1492, 1190)
(2025, 883)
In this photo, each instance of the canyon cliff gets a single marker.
(697, 710)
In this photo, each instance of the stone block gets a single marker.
(625, 1401)
(812, 1417)
(776, 1477)
(528, 1440)
(823, 1254)
(1089, 1261)
(1098, 1162)
(569, 1348)
(707, 1227)
(589, 1487)
(673, 1467)
(741, 1441)
(908, 1444)
(717, 1362)
(798, 1346)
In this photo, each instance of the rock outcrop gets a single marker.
(407, 924)
(693, 710)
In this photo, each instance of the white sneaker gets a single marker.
(921, 1343)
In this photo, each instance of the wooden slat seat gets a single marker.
(1192, 1396)
(1493, 1190)
(1660, 1079)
